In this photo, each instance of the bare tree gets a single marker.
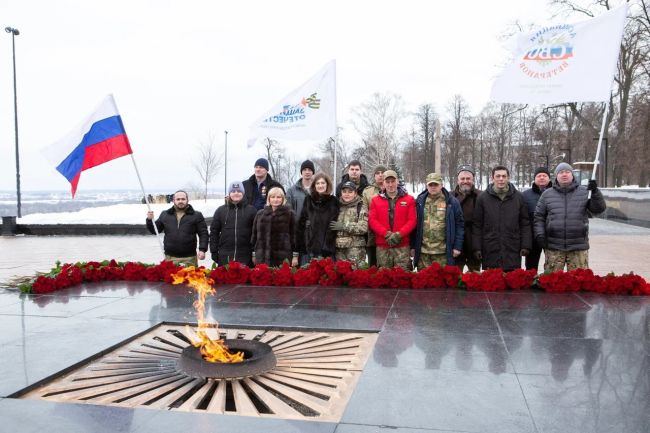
(208, 161)
(325, 160)
(456, 137)
(274, 151)
(377, 121)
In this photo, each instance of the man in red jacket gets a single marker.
(392, 218)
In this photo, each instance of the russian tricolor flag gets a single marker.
(101, 138)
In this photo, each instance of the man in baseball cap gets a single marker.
(440, 227)
(392, 219)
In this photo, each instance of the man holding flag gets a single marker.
(562, 220)
(559, 64)
(99, 139)
(181, 225)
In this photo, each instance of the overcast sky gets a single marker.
(182, 70)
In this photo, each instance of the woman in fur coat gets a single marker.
(274, 232)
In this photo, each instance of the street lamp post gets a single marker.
(225, 166)
(14, 33)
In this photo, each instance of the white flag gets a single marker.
(564, 62)
(307, 113)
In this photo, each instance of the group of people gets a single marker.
(382, 224)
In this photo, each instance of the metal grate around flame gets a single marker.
(314, 377)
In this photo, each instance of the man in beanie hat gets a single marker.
(562, 220)
(181, 225)
(355, 175)
(368, 193)
(541, 182)
(231, 229)
(392, 218)
(467, 194)
(256, 186)
(440, 228)
(298, 191)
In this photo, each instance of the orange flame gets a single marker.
(212, 350)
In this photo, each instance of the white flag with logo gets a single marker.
(564, 62)
(307, 113)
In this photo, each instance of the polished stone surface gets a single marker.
(445, 360)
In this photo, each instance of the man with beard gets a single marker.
(181, 225)
(467, 194)
(541, 182)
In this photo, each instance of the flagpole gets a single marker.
(334, 174)
(155, 227)
(600, 140)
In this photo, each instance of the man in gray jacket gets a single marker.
(297, 192)
(562, 220)
(296, 196)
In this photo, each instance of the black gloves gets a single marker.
(478, 254)
(524, 252)
(592, 186)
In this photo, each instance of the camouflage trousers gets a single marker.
(391, 257)
(356, 255)
(183, 261)
(555, 260)
(427, 259)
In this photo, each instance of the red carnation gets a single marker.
(492, 280)
(451, 275)
(471, 280)
(399, 278)
(520, 279)
(283, 276)
(44, 284)
(359, 278)
(306, 276)
(261, 275)
(134, 271)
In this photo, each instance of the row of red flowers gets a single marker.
(326, 272)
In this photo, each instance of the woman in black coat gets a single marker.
(231, 229)
(274, 233)
(315, 239)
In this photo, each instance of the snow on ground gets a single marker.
(115, 214)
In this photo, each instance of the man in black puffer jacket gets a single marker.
(562, 220)
(541, 182)
(181, 224)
